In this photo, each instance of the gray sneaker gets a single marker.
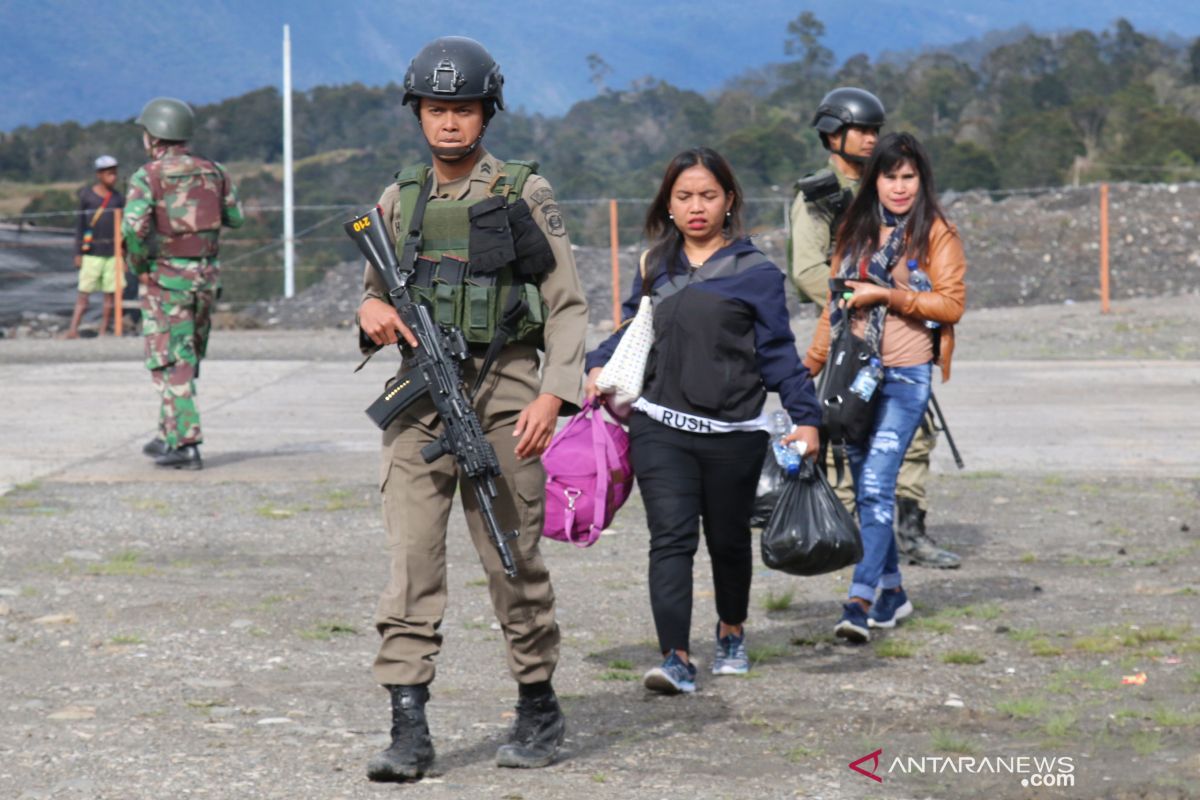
(730, 658)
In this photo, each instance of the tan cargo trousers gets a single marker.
(416, 508)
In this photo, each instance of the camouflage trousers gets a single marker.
(176, 324)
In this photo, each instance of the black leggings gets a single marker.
(684, 477)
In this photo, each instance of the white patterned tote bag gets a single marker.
(623, 374)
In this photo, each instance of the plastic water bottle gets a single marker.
(867, 379)
(920, 282)
(786, 457)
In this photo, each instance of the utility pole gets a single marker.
(289, 226)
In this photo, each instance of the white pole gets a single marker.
(289, 225)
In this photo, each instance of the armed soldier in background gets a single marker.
(494, 261)
(848, 121)
(176, 206)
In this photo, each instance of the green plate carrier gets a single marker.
(476, 308)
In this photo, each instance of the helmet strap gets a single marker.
(841, 151)
(451, 155)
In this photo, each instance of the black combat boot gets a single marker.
(411, 751)
(155, 448)
(538, 730)
(912, 541)
(186, 457)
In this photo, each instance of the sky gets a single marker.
(71, 60)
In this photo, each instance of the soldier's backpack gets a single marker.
(822, 189)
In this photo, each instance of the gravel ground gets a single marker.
(214, 641)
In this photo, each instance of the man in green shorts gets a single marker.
(94, 253)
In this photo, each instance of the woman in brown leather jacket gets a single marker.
(903, 267)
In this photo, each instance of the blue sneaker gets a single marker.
(672, 677)
(731, 658)
(853, 626)
(890, 608)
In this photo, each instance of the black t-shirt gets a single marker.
(102, 231)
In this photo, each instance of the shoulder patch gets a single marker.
(554, 220)
(541, 195)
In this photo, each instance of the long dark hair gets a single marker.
(858, 235)
(665, 239)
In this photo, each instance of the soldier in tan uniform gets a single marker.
(848, 121)
(469, 280)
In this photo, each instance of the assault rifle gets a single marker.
(436, 373)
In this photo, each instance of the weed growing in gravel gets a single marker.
(1043, 648)
(895, 648)
(765, 653)
(1173, 718)
(987, 611)
(950, 742)
(617, 675)
(1146, 743)
(981, 475)
(801, 753)
(1069, 680)
(931, 624)
(271, 512)
(324, 631)
(1028, 558)
(599, 777)
(1097, 643)
(126, 563)
(1024, 634)
(812, 641)
(1060, 725)
(778, 602)
(1194, 678)
(471, 584)
(963, 657)
(620, 663)
(1082, 561)
(157, 506)
(1023, 707)
(1155, 633)
(127, 639)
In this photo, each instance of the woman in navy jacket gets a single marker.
(698, 432)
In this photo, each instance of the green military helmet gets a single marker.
(168, 118)
(454, 67)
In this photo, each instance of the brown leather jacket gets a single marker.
(946, 266)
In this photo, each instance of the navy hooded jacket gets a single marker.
(722, 338)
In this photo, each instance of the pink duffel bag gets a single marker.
(588, 477)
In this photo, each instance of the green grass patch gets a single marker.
(324, 631)
(1069, 680)
(1043, 648)
(931, 624)
(1024, 634)
(1154, 633)
(1174, 718)
(778, 602)
(620, 663)
(1146, 743)
(945, 741)
(617, 675)
(127, 639)
(1097, 643)
(1023, 707)
(968, 657)
(273, 512)
(157, 506)
(1060, 725)
(895, 648)
(599, 777)
(765, 653)
(127, 563)
(1087, 561)
(812, 641)
(800, 753)
(1028, 558)
(981, 475)
(477, 582)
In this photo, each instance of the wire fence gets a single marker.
(1050, 235)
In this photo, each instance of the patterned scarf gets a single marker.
(879, 272)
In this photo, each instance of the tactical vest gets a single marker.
(188, 191)
(473, 252)
(823, 190)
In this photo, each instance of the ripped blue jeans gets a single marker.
(905, 394)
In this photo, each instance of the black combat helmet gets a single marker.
(848, 106)
(455, 67)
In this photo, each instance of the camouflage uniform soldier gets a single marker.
(491, 234)
(848, 121)
(176, 206)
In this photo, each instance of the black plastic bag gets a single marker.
(810, 532)
(770, 489)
